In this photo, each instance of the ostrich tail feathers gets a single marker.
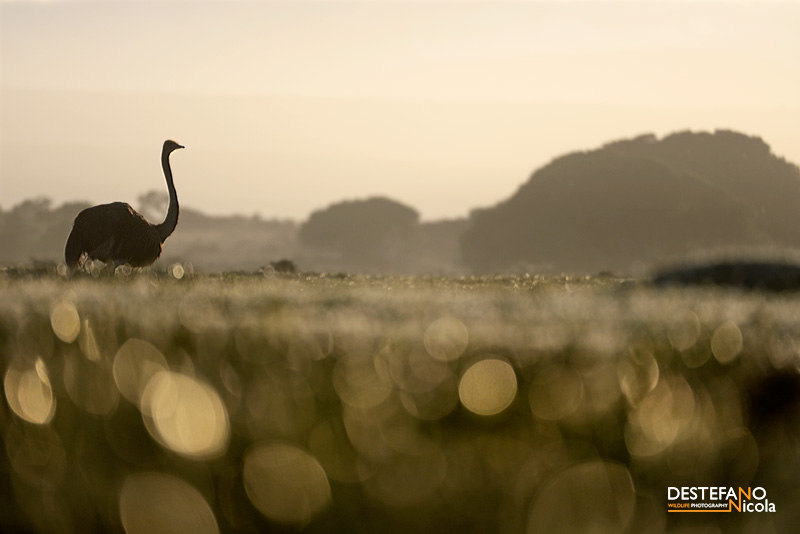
(72, 251)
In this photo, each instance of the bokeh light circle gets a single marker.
(177, 271)
(29, 392)
(556, 394)
(446, 339)
(684, 331)
(656, 423)
(285, 483)
(65, 321)
(726, 342)
(596, 496)
(134, 365)
(155, 502)
(488, 387)
(186, 415)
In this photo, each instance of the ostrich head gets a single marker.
(170, 145)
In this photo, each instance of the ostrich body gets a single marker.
(116, 233)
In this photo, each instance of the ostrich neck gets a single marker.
(171, 221)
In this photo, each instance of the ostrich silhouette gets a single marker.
(116, 233)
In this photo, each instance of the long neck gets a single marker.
(171, 221)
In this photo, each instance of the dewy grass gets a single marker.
(243, 403)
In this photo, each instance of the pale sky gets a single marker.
(286, 107)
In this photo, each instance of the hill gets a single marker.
(638, 201)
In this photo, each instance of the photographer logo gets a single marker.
(718, 499)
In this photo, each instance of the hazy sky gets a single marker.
(286, 107)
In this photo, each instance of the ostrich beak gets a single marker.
(181, 146)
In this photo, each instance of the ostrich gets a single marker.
(116, 233)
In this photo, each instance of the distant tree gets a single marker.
(284, 266)
(153, 204)
(32, 230)
(372, 233)
(23, 227)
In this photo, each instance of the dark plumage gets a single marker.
(116, 233)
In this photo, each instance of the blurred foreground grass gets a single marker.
(154, 403)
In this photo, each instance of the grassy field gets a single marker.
(170, 402)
